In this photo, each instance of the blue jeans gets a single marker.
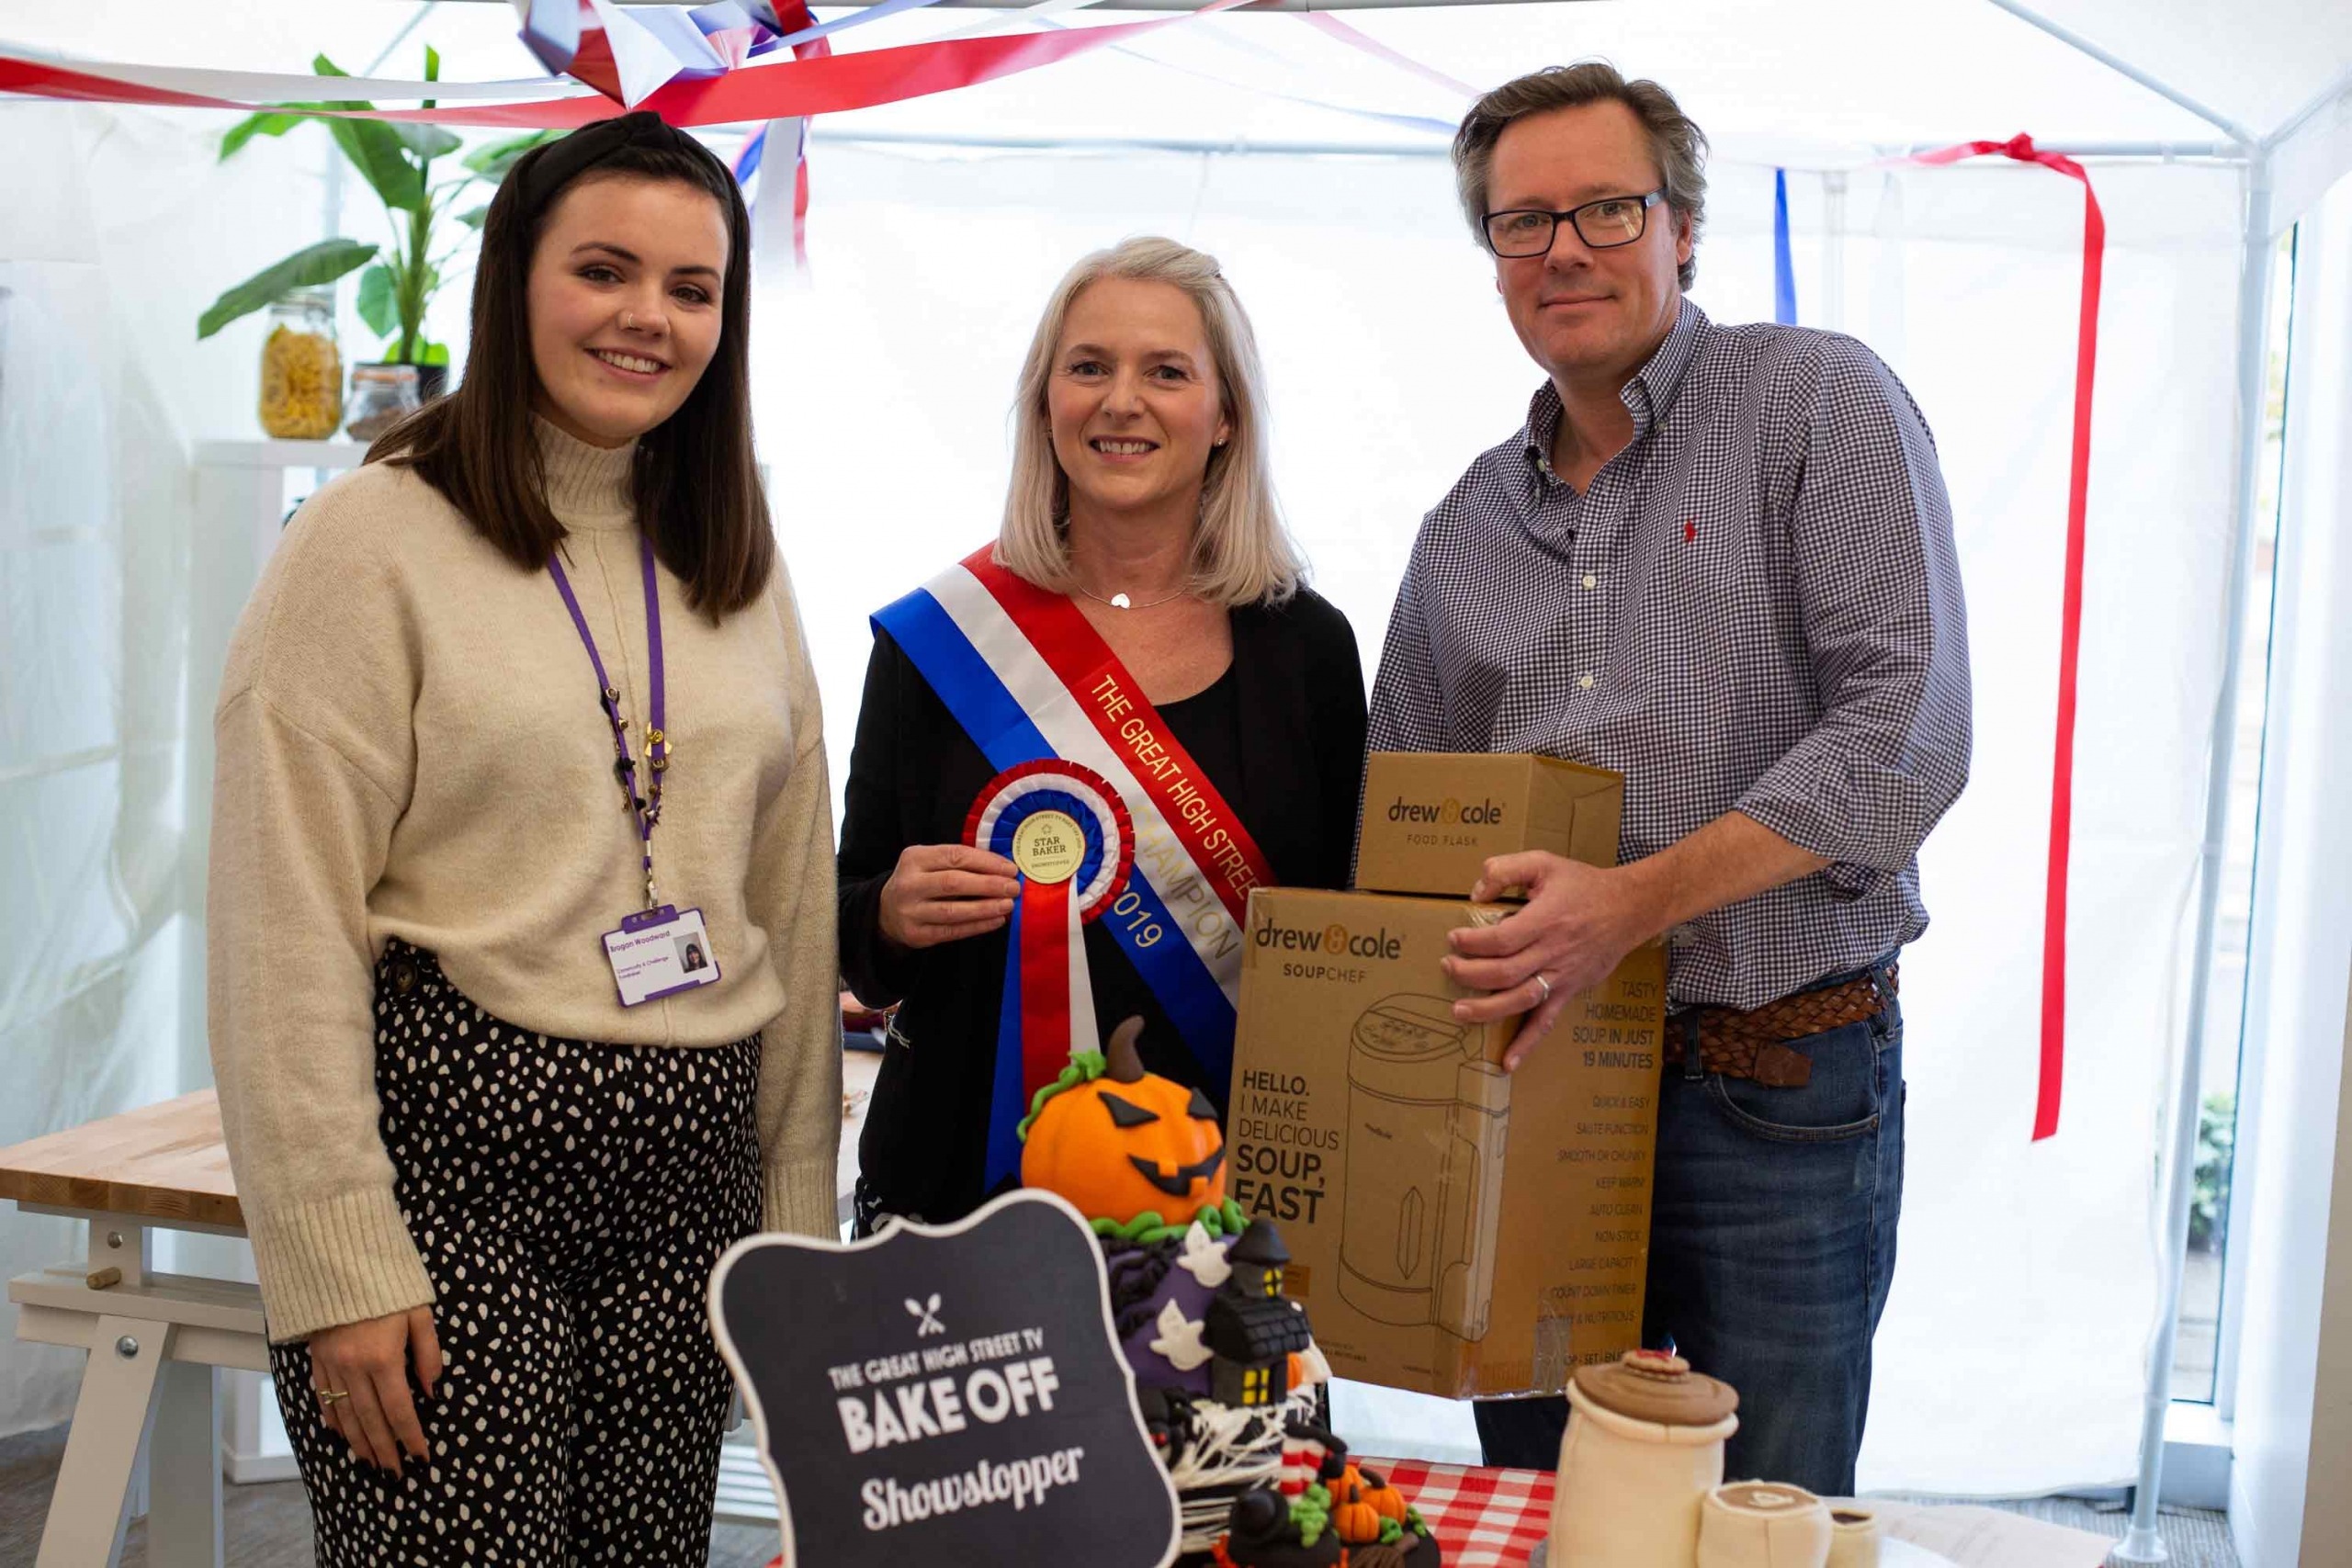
(1771, 1248)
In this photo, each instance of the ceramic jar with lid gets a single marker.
(1644, 1448)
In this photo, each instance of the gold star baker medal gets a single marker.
(1048, 847)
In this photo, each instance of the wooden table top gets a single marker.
(162, 1162)
(167, 1162)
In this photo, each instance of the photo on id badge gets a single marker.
(658, 953)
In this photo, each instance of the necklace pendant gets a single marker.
(1121, 601)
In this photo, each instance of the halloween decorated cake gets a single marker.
(1324, 1508)
(1225, 1365)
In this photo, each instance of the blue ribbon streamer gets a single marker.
(1784, 272)
(872, 14)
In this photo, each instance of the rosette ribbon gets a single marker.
(1067, 829)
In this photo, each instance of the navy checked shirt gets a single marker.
(1754, 608)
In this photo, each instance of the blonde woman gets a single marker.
(1142, 543)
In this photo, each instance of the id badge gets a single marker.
(658, 953)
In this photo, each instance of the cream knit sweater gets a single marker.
(410, 746)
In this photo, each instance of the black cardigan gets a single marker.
(1297, 699)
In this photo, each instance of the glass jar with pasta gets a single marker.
(301, 370)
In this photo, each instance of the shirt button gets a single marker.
(1585, 682)
(1591, 582)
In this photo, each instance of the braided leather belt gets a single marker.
(1754, 1045)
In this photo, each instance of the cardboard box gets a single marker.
(1430, 818)
(1453, 1229)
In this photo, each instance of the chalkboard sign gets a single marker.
(948, 1394)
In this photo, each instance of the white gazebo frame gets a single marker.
(2140, 1544)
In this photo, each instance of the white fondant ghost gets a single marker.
(1180, 1341)
(1204, 1259)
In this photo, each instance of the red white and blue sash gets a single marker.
(1031, 681)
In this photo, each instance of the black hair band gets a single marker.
(567, 160)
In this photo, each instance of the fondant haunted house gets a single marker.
(1253, 1327)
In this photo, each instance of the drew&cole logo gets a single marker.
(1334, 939)
(1488, 813)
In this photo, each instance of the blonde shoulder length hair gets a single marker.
(1241, 552)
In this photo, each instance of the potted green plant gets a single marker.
(401, 276)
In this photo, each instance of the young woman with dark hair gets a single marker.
(520, 711)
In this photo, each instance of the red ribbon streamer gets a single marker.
(1045, 982)
(2070, 616)
(833, 85)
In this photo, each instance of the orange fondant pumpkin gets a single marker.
(1353, 1518)
(1385, 1500)
(1128, 1143)
(1360, 1500)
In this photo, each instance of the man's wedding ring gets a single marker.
(1547, 988)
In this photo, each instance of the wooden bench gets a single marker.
(156, 1340)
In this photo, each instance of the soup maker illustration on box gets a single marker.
(1408, 1255)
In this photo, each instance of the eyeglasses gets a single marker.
(1603, 225)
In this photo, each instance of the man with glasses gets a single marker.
(1718, 560)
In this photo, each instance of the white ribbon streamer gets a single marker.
(263, 88)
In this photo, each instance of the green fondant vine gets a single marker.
(1085, 1066)
(1151, 1227)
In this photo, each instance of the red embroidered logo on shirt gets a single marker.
(1690, 531)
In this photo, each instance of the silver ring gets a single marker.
(1546, 985)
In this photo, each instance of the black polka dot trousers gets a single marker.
(570, 1200)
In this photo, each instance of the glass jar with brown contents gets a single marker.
(381, 396)
(301, 370)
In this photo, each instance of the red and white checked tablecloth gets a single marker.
(1483, 1518)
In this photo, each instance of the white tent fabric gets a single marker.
(107, 251)
(1771, 76)
(1783, 78)
(882, 383)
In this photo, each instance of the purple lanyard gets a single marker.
(646, 807)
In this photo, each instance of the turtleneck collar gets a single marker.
(588, 487)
